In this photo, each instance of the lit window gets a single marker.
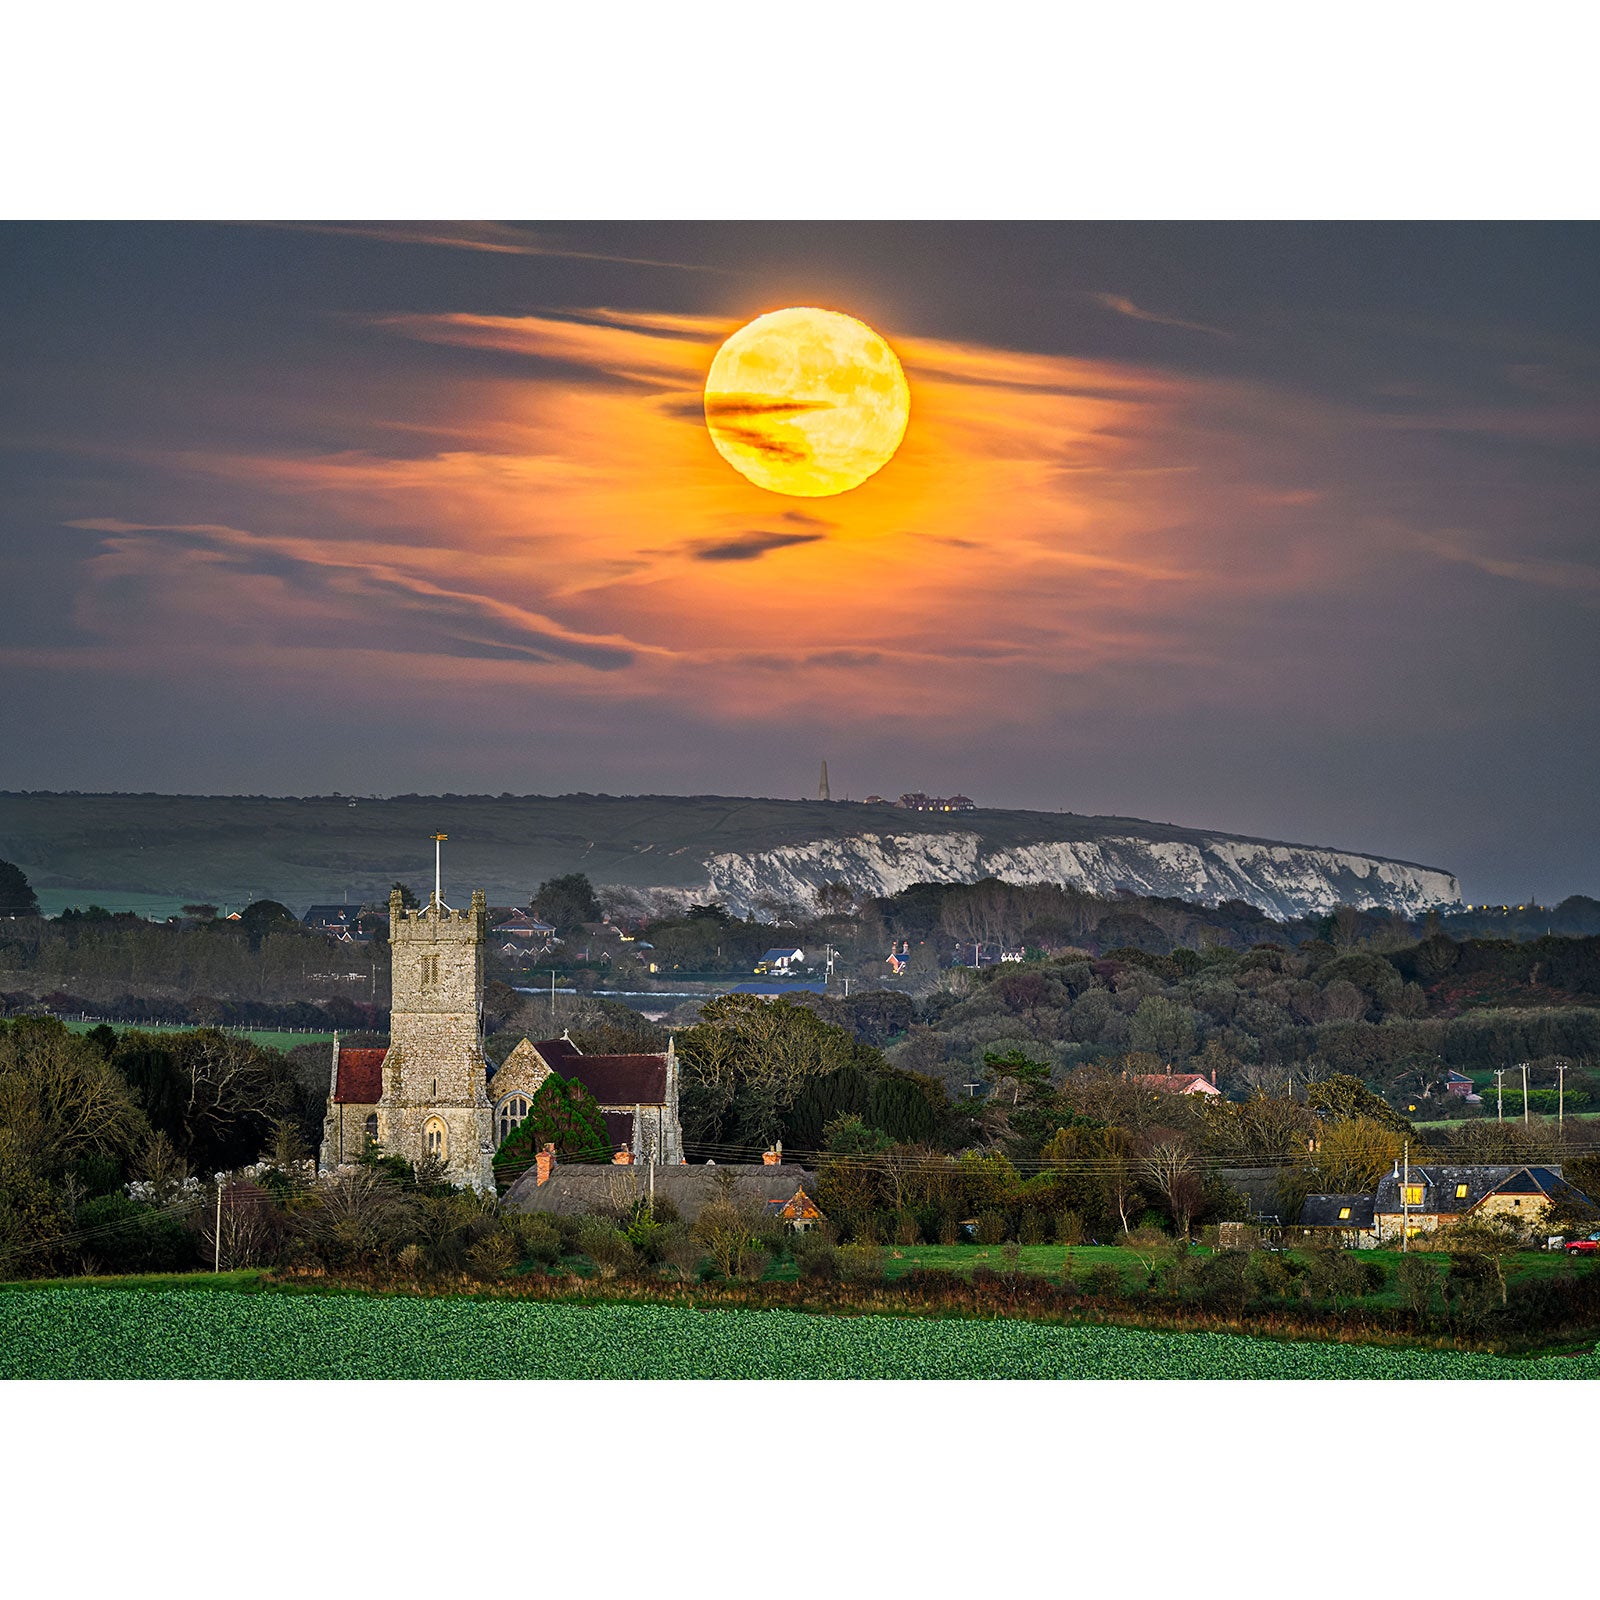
(435, 1140)
(372, 1125)
(1461, 1191)
(1411, 1194)
(1344, 1213)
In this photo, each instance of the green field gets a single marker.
(146, 1332)
(1047, 1260)
(272, 1038)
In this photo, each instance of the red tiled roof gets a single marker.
(1176, 1082)
(360, 1077)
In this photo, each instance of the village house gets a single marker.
(779, 962)
(1420, 1200)
(1170, 1082)
(573, 1189)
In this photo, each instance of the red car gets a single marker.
(1577, 1247)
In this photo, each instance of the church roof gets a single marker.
(620, 1080)
(360, 1077)
(625, 1080)
(619, 1129)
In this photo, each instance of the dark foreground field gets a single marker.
(190, 1332)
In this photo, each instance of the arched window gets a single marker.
(512, 1110)
(371, 1126)
(436, 1139)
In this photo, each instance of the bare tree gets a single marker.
(1170, 1169)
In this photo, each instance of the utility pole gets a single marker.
(1499, 1095)
(552, 993)
(216, 1262)
(1561, 1095)
(1524, 1066)
(1405, 1201)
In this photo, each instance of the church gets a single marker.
(433, 1093)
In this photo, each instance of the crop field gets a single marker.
(96, 1332)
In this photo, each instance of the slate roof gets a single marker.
(623, 1080)
(360, 1077)
(619, 1129)
(1322, 1211)
(789, 953)
(1439, 1197)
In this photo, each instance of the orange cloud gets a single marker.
(1047, 517)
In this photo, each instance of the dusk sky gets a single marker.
(1284, 530)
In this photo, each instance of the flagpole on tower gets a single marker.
(438, 897)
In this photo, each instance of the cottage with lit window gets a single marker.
(1417, 1200)
(1347, 1217)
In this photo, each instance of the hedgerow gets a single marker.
(72, 1333)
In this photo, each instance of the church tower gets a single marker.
(434, 1077)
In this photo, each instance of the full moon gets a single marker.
(806, 402)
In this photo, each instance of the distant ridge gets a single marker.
(746, 851)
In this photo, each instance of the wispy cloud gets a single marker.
(485, 238)
(1124, 307)
(1575, 577)
(750, 546)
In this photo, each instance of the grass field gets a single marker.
(273, 1038)
(1047, 1259)
(151, 1332)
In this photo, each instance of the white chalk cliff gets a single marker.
(1284, 880)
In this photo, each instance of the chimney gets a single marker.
(544, 1164)
(1213, 1077)
(774, 1156)
(622, 1158)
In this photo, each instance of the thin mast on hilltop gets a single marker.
(438, 898)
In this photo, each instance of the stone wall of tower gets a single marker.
(435, 1072)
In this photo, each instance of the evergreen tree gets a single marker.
(17, 898)
(563, 1113)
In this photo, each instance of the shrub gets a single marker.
(493, 1256)
(1011, 1254)
(991, 1227)
(817, 1258)
(861, 1263)
(1033, 1229)
(906, 1229)
(540, 1240)
(608, 1249)
(949, 1228)
(1069, 1228)
(1103, 1281)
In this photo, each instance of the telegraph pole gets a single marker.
(1524, 1066)
(1405, 1200)
(552, 993)
(1499, 1095)
(1561, 1095)
(216, 1261)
